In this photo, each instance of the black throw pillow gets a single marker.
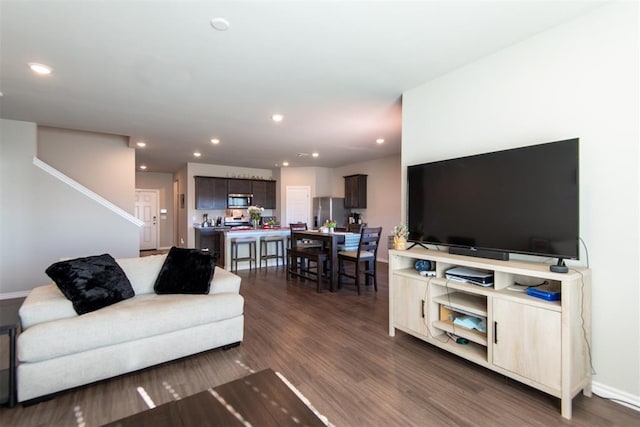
(185, 271)
(91, 283)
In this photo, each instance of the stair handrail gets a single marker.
(87, 192)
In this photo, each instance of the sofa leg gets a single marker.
(232, 345)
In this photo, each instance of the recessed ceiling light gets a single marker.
(380, 140)
(285, 163)
(220, 24)
(215, 141)
(40, 69)
(143, 167)
(141, 144)
(314, 154)
(277, 118)
(197, 154)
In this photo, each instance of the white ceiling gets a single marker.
(157, 71)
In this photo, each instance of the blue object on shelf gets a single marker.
(423, 265)
(546, 292)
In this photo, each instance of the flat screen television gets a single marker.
(522, 200)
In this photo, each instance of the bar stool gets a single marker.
(235, 242)
(278, 241)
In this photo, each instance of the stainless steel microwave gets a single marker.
(239, 201)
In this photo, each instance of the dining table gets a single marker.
(330, 242)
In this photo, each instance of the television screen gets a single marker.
(522, 200)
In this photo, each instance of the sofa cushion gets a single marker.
(47, 303)
(91, 283)
(142, 271)
(139, 317)
(186, 271)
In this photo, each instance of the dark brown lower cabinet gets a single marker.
(213, 240)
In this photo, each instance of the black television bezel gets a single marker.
(493, 252)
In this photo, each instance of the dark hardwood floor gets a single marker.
(335, 348)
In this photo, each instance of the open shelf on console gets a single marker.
(528, 299)
(413, 274)
(471, 351)
(470, 334)
(473, 304)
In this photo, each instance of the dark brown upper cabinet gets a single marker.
(355, 191)
(264, 194)
(211, 193)
(240, 186)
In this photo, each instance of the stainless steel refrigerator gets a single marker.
(325, 208)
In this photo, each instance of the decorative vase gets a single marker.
(331, 229)
(399, 243)
(254, 223)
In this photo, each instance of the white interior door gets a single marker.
(298, 205)
(146, 209)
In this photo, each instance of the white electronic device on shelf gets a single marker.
(470, 275)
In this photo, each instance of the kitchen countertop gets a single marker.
(251, 229)
(239, 229)
(218, 228)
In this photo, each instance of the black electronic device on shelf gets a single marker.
(522, 200)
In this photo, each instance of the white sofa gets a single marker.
(59, 349)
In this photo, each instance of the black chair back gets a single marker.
(298, 226)
(369, 240)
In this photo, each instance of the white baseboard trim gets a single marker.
(618, 396)
(13, 295)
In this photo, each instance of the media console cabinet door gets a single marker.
(528, 341)
(409, 306)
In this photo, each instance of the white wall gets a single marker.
(579, 79)
(163, 182)
(101, 162)
(43, 219)
(383, 190)
(303, 176)
(383, 195)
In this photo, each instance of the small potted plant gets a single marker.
(400, 235)
(331, 225)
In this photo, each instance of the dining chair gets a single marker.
(301, 226)
(366, 253)
(304, 257)
(296, 226)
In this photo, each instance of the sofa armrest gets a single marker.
(44, 304)
(224, 281)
